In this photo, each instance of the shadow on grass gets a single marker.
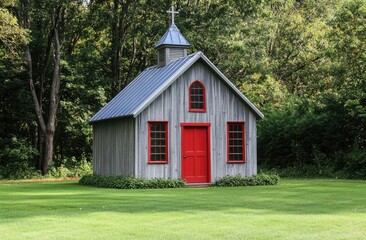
(291, 197)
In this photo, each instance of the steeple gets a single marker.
(173, 45)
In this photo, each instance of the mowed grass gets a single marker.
(295, 209)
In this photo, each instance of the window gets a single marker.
(158, 142)
(197, 97)
(236, 142)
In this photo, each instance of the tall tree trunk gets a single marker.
(38, 110)
(54, 102)
(47, 130)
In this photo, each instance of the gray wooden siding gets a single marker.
(114, 147)
(172, 105)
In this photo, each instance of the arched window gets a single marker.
(197, 97)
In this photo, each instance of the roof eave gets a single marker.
(91, 122)
(158, 47)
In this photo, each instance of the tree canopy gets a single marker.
(302, 62)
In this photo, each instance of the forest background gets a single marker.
(301, 62)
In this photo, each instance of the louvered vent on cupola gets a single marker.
(168, 54)
(161, 57)
(172, 46)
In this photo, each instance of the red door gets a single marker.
(195, 154)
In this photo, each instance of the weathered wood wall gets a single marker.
(114, 147)
(172, 105)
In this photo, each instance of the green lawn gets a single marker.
(295, 209)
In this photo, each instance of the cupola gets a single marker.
(173, 45)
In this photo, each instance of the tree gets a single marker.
(47, 128)
(12, 36)
(348, 70)
(44, 61)
(302, 62)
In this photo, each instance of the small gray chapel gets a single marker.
(180, 119)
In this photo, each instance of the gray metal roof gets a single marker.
(172, 37)
(139, 90)
(147, 86)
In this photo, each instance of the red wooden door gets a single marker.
(195, 157)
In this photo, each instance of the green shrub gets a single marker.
(303, 138)
(58, 172)
(306, 171)
(16, 157)
(356, 162)
(256, 180)
(130, 182)
(71, 168)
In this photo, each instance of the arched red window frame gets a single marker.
(204, 97)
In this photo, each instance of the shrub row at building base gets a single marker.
(256, 180)
(130, 182)
(140, 183)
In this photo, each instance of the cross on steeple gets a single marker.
(172, 12)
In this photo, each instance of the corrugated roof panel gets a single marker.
(139, 90)
(173, 37)
(147, 86)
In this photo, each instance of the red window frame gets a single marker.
(243, 160)
(204, 97)
(150, 161)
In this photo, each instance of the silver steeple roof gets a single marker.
(173, 37)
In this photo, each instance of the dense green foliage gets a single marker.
(130, 182)
(261, 179)
(314, 138)
(71, 168)
(303, 63)
(293, 209)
